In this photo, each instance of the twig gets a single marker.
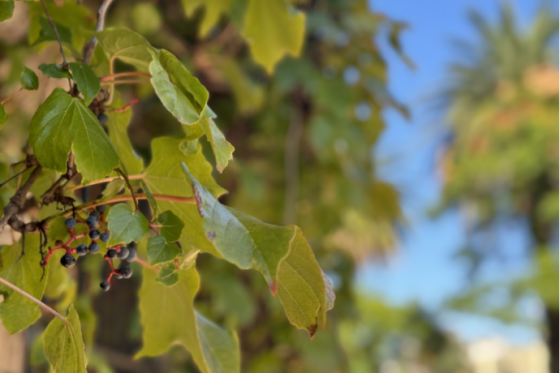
(33, 299)
(90, 47)
(106, 180)
(17, 202)
(10, 96)
(120, 75)
(129, 187)
(65, 64)
(144, 264)
(117, 82)
(126, 107)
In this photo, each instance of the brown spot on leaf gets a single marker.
(312, 330)
(198, 201)
(273, 288)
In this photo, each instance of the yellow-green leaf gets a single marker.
(213, 9)
(63, 344)
(223, 150)
(126, 45)
(273, 29)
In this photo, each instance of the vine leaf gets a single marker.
(125, 225)
(63, 344)
(6, 10)
(213, 10)
(161, 251)
(29, 80)
(223, 150)
(16, 311)
(281, 254)
(127, 46)
(167, 274)
(272, 30)
(63, 123)
(213, 349)
(55, 71)
(171, 226)
(87, 81)
(2, 115)
(164, 176)
(179, 91)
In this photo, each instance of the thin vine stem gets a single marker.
(129, 187)
(33, 299)
(106, 180)
(120, 75)
(10, 96)
(65, 64)
(118, 82)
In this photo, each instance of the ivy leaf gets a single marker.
(223, 150)
(171, 226)
(164, 176)
(213, 10)
(87, 81)
(167, 274)
(161, 251)
(213, 349)
(127, 46)
(17, 312)
(63, 344)
(29, 80)
(125, 225)
(179, 91)
(6, 10)
(63, 123)
(272, 30)
(55, 71)
(281, 254)
(2, 115)
(117, 124)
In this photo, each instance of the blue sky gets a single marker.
(424, 270)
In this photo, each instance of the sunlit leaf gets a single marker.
(213, 9)
(63, 123)
(223, 150)
(167, 274)
(126, 45)
(63, 344)
(125, 225)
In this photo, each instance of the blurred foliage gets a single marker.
(303, 123)
(500, 163)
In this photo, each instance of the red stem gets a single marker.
(120, 75)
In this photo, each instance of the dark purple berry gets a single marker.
(96, 214)
(125, 270)
(70, 223)
(94, 234)
(131, 245)
(92, 221)
(105, 236)
(105, 285)
(132, 255)
(81, 249)
(101, 208)
(67, 260)
(93, 247)
(123, 254)
(111, 253)
(103, 118)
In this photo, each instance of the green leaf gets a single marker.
(179, 91)
(272, 30)
(117, 124)
(223, 150)
(161, 251)
(63, 344)
(213, 10)
(281, 254)
(55, 71)
(125, 225)
(171, 226)
(87, 81)
(47, 33)
(126, 45)
(6, 10)
(213, 349)
(2, 115)
(63, 123)
(167, 274)
(29, 80)
(17, 312)
(164, 176)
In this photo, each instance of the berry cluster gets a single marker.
(127, 254)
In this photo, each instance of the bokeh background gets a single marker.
(414, 142)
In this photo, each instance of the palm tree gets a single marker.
(502, 162)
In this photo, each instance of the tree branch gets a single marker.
(90, 47)
(33, 299)
(17, 202)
